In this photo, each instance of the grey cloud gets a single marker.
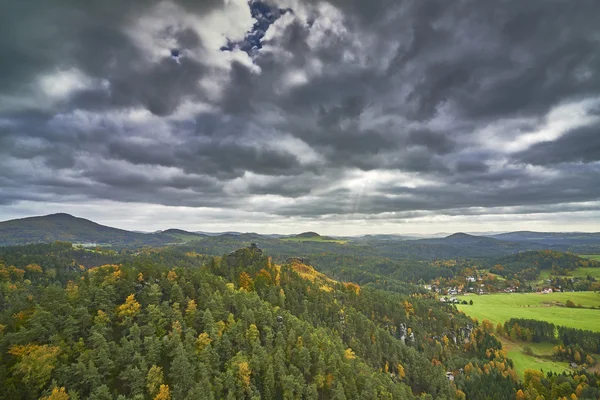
(471, 166)
(434, 141)
(91, 36)
(533, 193)
(403, 87)
(580, 145)
(238, 96)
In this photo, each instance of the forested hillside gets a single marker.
(164, 324)
(65, 227)
(527, 265)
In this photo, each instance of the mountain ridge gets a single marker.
(77, 230)
(66, 227)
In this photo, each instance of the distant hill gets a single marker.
(179, 235)
(218, 233)
(464, 238)
(551, 238)
(546, 259)
(312, 237)
(527, 265)
(65, 227)
(465, 245)
(307, 235)
(383, 237)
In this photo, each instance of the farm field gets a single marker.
(590, 256)
(584, 272)
(515, 352)
(499, 308)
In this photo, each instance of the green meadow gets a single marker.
(590, 256)
(499, 308)
(584, 272)
(539, 359)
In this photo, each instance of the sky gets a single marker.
(344, 117)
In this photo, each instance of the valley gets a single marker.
(292, 316)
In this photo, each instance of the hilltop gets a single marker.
(65, 227)
(312, 237)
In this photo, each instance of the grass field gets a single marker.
(584, 272)
(590, 256)
(545, 307)
(537, 361)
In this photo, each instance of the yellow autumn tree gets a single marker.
(446, 341)
(349, 354)
(408, 308)
(36, 363)
(130, 308)
(163, 393)
(202, 341)
(190, 312)
(172, 276)
(263, 273)
(487, 325)
(245, 281)
(353, 287)
(34, 268)
(244, 373)
(520, 395)
(401, 372)
(57, 394)
(191, 307)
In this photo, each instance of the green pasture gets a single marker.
(584, 272)
(524, 361)
(499, 308)
(590, 256)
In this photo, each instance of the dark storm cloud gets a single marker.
(91, 37)
(530, 192)
(352, 107)
(499, 60)
(580, 145)
(435, 141)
